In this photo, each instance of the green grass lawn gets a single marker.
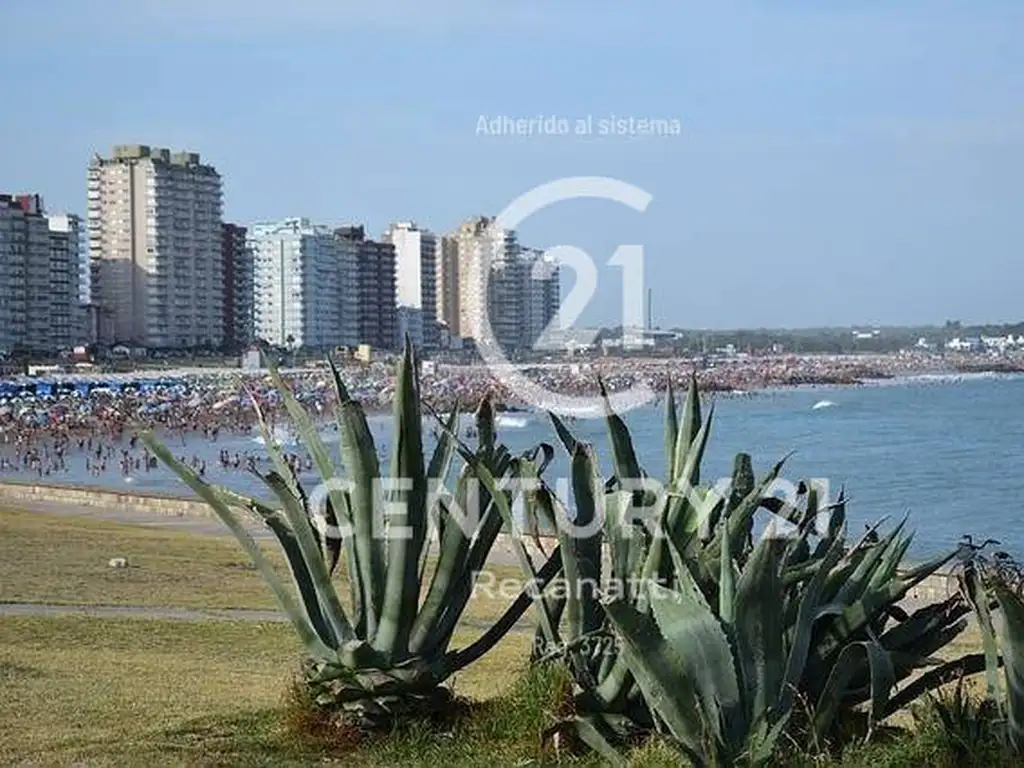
(100, 691)
(109, 692)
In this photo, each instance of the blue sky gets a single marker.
(840, 162)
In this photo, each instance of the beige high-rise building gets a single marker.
(522, 291)
(155, 248)
(481, 244)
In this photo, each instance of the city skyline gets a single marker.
(860, 164)
(165, 271)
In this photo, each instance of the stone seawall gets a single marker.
(11, 493)
(935, 587)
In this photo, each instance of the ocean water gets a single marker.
(950, 453)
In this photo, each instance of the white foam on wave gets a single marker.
(281, 436)
(511, 422)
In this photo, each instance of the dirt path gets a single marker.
(163, 613)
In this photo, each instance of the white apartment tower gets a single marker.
(305, 285)
(38, 275)
(155, 248)
(416, 282)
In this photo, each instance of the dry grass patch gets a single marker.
(134, 691)
(64, 560)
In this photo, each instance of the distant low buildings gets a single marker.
(964, 345)
(998, 344)
(866, 335)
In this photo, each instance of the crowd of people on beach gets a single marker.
(97, 432)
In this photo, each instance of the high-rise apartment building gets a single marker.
(448, 284)
(506, 300)
(155, 246)
(84, 267)
(19, 234)
(488, 280)
(515, 288)
(238, 271)
(305, 285)
(65, 325)
(376, 298)
(38, 276)
(473, 242)
(542, 298)
(416, 281)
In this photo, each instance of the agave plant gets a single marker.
(722, 639)
(778, 650)
(388, 653)
(993, 585)
(609, 541)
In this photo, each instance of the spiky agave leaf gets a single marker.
(486, 431)
(688, 430)
(803, 630)
(680, 657)
(346, 673)
(275, 520)
(365, 548)
(501, 502)
(581, 547)
(882, 681)
(671, 429)
(314, 644)
(1011, 632)
(299, 523)
(408, 521)
(627, 468)
(448, 572)
(563, 433)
